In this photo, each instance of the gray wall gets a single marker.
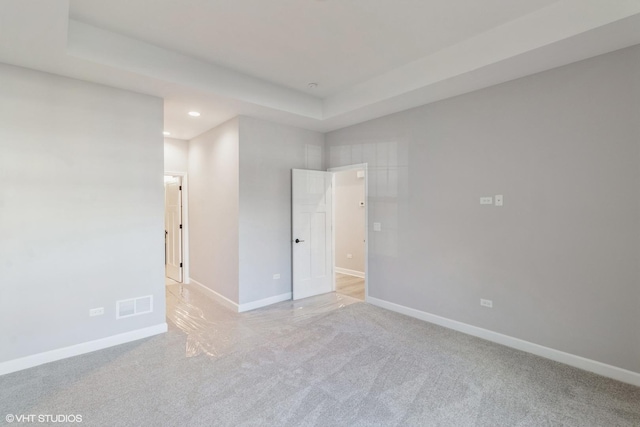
(81, 210)
(213, 209)
(560, 259)
(176, 155)
(349, 220)
(268, 152)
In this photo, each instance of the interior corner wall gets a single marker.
(560, 258)
(268, 152)
(349, 221)
(213, 209)
(81, 208)
(176, 155)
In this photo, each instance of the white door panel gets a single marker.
(311, 215)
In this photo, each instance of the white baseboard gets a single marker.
(263, 302)
(241, 307)
(219, 298)
(348, 272)
(599, 368)
(78, 349)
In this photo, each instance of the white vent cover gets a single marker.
(134, 306)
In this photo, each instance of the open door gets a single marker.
(173, 228)
(311, 218)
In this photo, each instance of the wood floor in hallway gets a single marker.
(350, 285)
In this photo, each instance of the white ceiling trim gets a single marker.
(121, 52)
(419, 82)
(621, 34)
(38, 35)
(560, 21)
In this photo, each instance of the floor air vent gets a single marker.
(134, 306)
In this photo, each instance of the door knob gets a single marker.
(298, 240)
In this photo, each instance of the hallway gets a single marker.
(350, 285)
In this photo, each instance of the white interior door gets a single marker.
(312, 234)
(173, 228)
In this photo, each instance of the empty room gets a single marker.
(320, 212)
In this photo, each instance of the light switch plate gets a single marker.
(276, 276)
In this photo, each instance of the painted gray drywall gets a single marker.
(81, 210)
(213, 209)
(176, 155)
(268, 152)
(560, 258)
(349, 220)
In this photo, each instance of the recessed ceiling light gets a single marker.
(165, 133)
(194, 114)
(312, 85)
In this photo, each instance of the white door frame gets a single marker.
(185, 223)
(359, 166)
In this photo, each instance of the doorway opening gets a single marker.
(350, 230)
(174, 228)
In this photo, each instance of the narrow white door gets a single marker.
(173, 228)
(311, 239)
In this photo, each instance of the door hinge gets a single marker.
(180, 265)
(180, 188)
(180, 226)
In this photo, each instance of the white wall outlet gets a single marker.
(499, 200)
(276, 276)
(96, 311)
(349, 256)
(486, 303)
(486, 200)
(377, 226)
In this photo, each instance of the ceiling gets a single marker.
(336, 43)
(256, 57)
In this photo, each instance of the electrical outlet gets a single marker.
(486, 303)
(377, 226)
(96, 311)
(276, 276)
(486, 200)
(350, 256)
(499, 200)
